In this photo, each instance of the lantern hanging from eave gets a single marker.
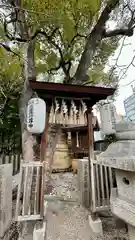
(36, 115)
(108, 118)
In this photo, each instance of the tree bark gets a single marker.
(28, 140)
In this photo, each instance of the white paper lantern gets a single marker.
(108, 118)
(36, 115)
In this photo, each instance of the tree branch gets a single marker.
(4, 106)
(62, 63)
(123, 32)
(93, 40)
(7, 48)
(54, 69)
(21, 39)
(77, 35)
(14, 38)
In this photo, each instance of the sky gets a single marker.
(125, 89)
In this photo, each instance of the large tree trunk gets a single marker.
(93, 41)
(28, 140)
(87, 56)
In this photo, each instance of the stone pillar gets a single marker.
(121, 156)
(83, 182)
(39, 231)
(5, 198)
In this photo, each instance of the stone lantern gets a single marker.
(121, 156)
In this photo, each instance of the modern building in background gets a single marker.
(129, 105)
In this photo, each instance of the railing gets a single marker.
(14, 159)
(95, 192)
(103, 182)
(10, 148)
(31, 183)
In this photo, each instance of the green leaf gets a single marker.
(41, 68)
(52, 59)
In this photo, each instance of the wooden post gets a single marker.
(42, 159)
(44, 140)
(91, 158)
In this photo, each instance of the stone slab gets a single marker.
(5, 197)
(125, 126)
(120, 155)
(96, 226)
(130, 135)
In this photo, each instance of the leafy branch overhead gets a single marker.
(67, 34)
(11, 85)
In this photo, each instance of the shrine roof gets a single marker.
(91, 94)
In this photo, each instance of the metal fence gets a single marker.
(10, 148)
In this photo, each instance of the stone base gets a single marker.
(120, 224)
(121, 208)
(39, 231)
(96, 226)
(131, 232)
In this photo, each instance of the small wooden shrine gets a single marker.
(68, 112)
(79, 136)
(69, 109)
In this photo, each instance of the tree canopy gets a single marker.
(11, 83)
(71, 41)
(61, 30)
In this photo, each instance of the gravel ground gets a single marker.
(66, 220)
(69, 221)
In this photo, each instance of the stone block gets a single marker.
(5, 197)
(119, 155)
(96, 226)
(39, 231)
(131, 232)
(126, 185)
(120, 224)
(121, 208)
(125, 126)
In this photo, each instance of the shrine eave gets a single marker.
(79, 128)
(58, 90)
